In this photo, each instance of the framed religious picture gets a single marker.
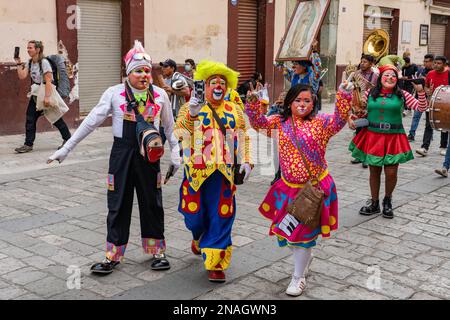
(303, 28)
(423, 36)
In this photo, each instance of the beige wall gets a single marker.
(24, 20)
(181, 29)
(281, 21)
(350, 27)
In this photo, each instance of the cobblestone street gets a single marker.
(54, 216)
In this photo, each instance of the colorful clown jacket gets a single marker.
(204, 148)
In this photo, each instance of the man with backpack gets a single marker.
(40, 70)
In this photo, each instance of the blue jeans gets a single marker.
(447, 158)
(415, 122)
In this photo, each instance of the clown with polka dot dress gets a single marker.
(299, 127)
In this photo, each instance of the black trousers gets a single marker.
(428, 135)
(31, 120)
(128, 171)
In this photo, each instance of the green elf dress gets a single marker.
(384, 141)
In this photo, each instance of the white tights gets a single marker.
(302, 258)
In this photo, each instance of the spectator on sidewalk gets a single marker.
(189, 68)
(435, 78)
(177, 97)
(249, 85)
(409, 71)
(446, 166)
(40, 70)
(427, 67)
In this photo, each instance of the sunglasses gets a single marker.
(142, 71)
(142, 56)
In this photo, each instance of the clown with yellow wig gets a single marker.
(212, 160)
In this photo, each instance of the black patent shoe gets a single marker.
(388, 213)
(160, 262)
(371, 207)
(104, 267)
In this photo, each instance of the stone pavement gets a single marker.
(53, 217)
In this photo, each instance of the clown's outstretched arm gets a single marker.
(259, 121)
(94, 119)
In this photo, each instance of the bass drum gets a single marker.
(440, 109)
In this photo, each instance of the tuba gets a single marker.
(377, 44)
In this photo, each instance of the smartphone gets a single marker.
(169, 173)
(199, 90)
(16, 52)
(416, 81)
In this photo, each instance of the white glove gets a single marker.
(194, 107)
(175, 159)
(248, 170)
(59, 155)
(346, 86)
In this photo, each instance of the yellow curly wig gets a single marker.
(207, 69)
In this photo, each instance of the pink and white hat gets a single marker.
(137, 57)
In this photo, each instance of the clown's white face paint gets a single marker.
(389, 79)
(216, 87)
(302, 105)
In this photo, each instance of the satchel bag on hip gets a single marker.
(307, 205)
(238, 177)
(148, 136)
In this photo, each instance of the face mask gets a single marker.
(187, 67)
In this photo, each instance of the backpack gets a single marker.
(60, 76)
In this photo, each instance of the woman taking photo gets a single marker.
(384, 142)
(299, 127)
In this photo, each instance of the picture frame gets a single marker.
(423, 35)
(303, 28)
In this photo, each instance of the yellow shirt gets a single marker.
(204, 149)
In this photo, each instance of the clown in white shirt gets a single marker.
(128, 169)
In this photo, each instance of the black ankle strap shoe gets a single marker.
(371, 207)
(388, 213)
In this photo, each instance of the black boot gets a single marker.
(370, 208)
(388, 213)
(104, 267)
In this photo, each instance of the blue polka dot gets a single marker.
(227, 193)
